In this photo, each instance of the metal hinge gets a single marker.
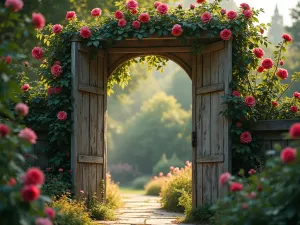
(194, 139)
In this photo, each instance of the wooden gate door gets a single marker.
(212, 73)
(89, 121)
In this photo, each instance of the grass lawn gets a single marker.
(129, 190)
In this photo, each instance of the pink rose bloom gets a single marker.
(57, 28)
(282, 74)
(34, 176)
(245, 138)
(259, 53)
(144, 17)
(223, 11)
(226, 34)
(26, 64)
(248, 14)
(22, 109)
(56, 70)
(70, 15)
(171, 168)
(179, 6)
(260, 69)
(119, 15)
(206, 17)
(252, 171)
(28, 135)
(50, 213)
(177, 30)
(238, 124)
(43, 221)
(236, 94)
(287, 37)
(4, 130)
(37, 53)
(169, 174)
(57, 62)
(157, 3)
(8, 60)
(244, 206)
(85, 32)
(163, 9)
(16, 5)
(136, 24)
(250, 101)
(132, 4)
(122, 23)
(281, 62)
(288, 155)
(62, 115)
(245, 6)
(60, 170)
(160, 174)
(57, 90)
(31, 193)
(267, 63)
(38, 20)
(25, 87)
(224, 178)
(231, 15)
(297, 94)
(235, 186)
(192, 6)
(155, 178)
(295, 130)
(294, 109)
(96, 12)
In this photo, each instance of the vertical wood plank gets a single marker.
(194, 128)
(105, 76)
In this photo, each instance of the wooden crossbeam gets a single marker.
(210, 89)
(210, 159)
(90, 89)
(90, 159)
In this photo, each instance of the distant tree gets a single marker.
(294, 30)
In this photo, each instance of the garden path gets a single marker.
(142, 209)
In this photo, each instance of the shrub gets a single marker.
(113, 195)
(140, 182)
(71, 212)
(163, 165)
(270, 197)
(123, 173)
(56, 185)
(180, 182)
(154, 186)
(100, 211)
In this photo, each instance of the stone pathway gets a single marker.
(142, 209)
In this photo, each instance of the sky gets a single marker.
(284, 7)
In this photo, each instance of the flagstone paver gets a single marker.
(142, 209)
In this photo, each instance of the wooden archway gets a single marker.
(211, 74)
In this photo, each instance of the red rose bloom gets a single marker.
(206, 17)
(231, 15)
(4, 130)
(134, 11)
(200, 1)
(258, 52)
(157, 3)
(163, 9)
(295, 130)
(96, 12)
(26, 64)
(252, 171)
(250, 101)
(49, 91)
(57, 28)
(30, 193)
(177, 30)
(192, 6)
(224, 178)
(281, 62)
(16, 5)
(34, 176)
(12, 182)
(260, 69)
(274, 104)
(38, 20)
(236, 94)
(70, 15)
(8, 60)
(28, 135)
(294, 109)
(144, 17)
(25, 87)
(56, 70)
(238, 124)
(62, 115)
(288, 155)
(226, 34)
(132, 4)
(57, 90)
(136, 24)
(37, 53)
(22, 109)
(223, 11)
(245, 6)
(235, 186)
(297, 94)
(262, 31)
(85, 32)
(248, 14)
(119, 15)
(122, 23)
(267, 63)
(282, 74)
(287, 37)
(50, 213)
(245, 138)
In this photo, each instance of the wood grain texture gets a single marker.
(90, 159)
